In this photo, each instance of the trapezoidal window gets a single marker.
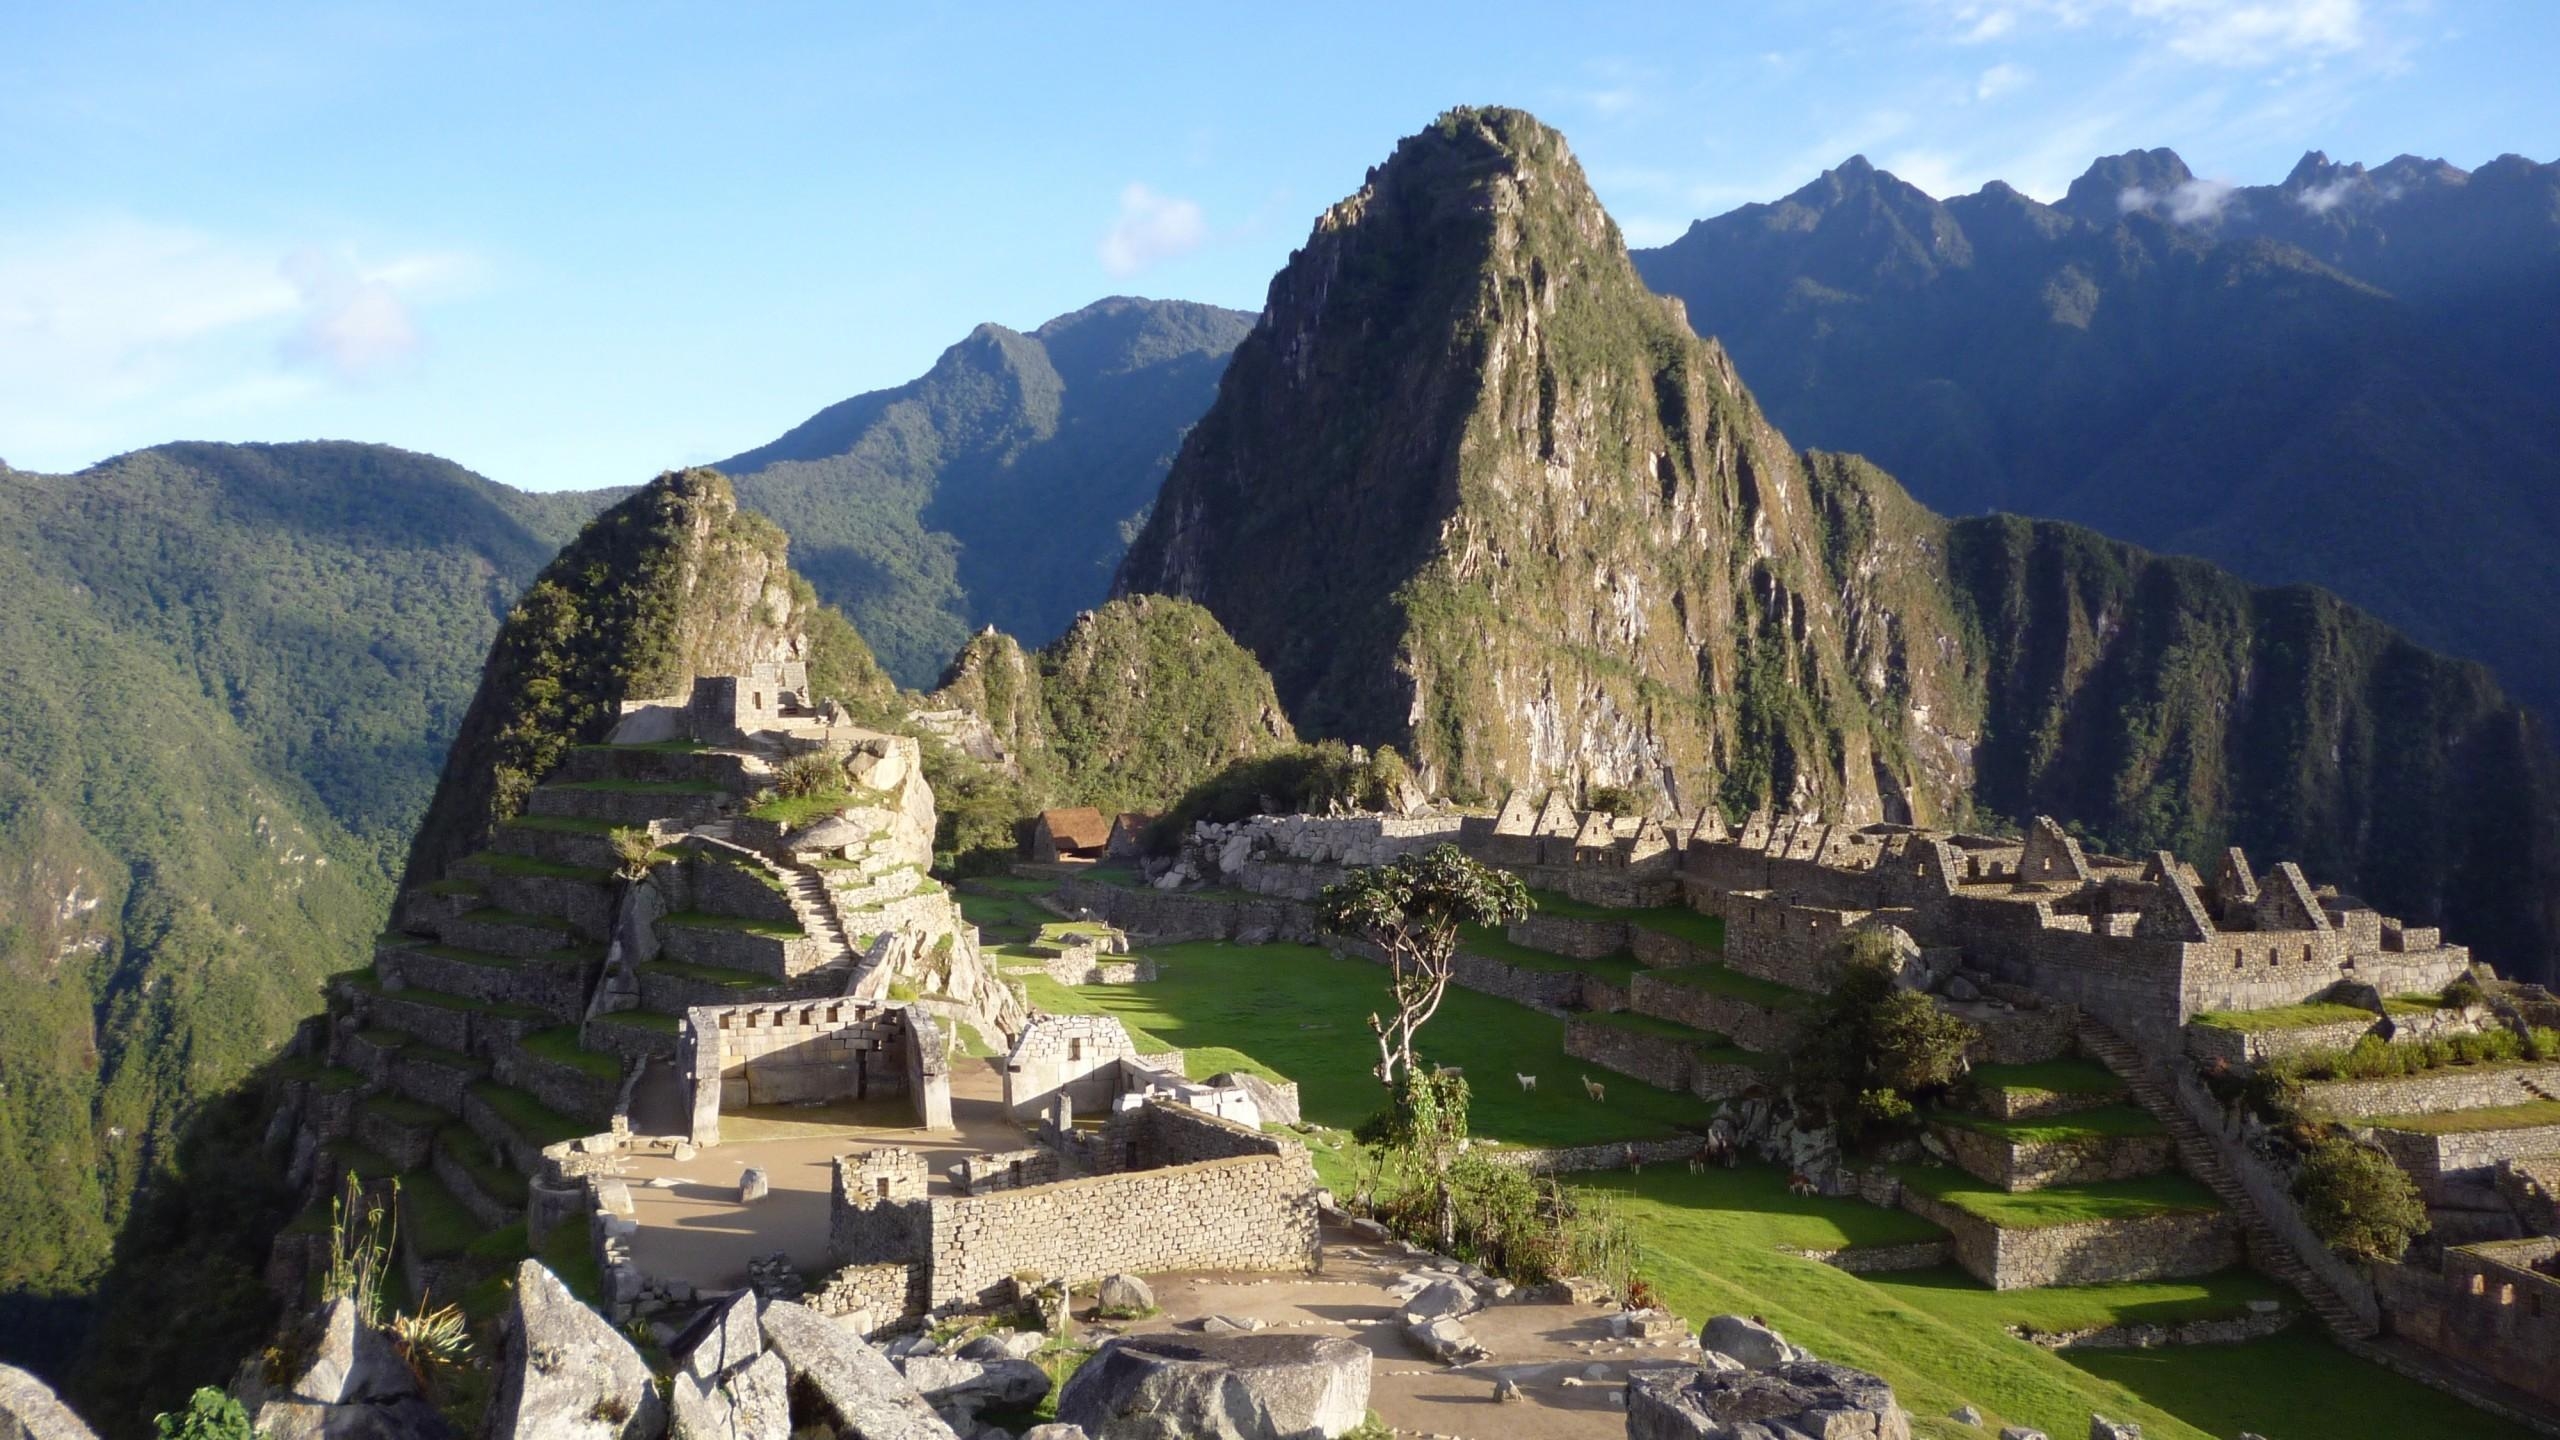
(1075, 1049)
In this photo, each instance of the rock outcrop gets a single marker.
(566, 1374)
(29, 1410)
(1793, 1400)
(1260, 1386)
(853, 1385)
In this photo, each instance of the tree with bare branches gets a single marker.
(1412, 909)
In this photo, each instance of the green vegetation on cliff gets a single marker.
(674, 582)
(1471, 491)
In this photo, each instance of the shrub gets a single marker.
(634, 851)
(1617, 800)
(210, 1415)
(2357, 1201)
(2464, 992)
(1871, 1048)
(802, 776)
(2541, 1043)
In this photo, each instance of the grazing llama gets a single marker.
(1528, 1083)
(1595, 1089)
(1800, 1184)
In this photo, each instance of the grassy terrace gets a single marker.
(1677, 921)
(1715, 979)
(639, 787)
(2168, 1194)
(564, 825)
(432, 1220)
(492, 915)
(653, 747)
(793, 811)
(2413, 1005)
(466, 1148)
(560, 1047)
(401, 1110)
(648, 1020)
(529, 1117)
(1492, 944)
(501, 862)
(2054, 1077)
(2283, 1017)
(495, 1009)
(1708, 1046)
(708, 975)
(2107, 1122)
(703, 920)
(1300, 1012)
(2472, 1122)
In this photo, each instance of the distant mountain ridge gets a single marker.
(2344, 378)
(998, 488)
(1470, 490)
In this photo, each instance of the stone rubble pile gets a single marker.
(1755, 1386)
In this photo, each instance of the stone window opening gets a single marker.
(883, 1183)
(2479, 1284)
(2506, 1295)
(1075, 1049)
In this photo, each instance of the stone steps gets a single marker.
(2266, 1249)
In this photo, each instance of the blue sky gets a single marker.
(573, 245)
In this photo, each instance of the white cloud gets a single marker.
(1999, 80)
(113, 327)
(1151, 228)
(2189, 202)
(2321, 199)
(2241, 34)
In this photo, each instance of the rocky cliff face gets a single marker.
(1470, 490)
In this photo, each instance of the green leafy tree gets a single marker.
(1412, 908)
(2357, 1201)
(1871, 1048)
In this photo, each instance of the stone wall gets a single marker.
(2006, 1034)
(1763, 1028)
(789, 1052)
(1078, 1057)
(1665, 952)
(1573, 937)
(871, 1300)
(2242, 1048)
(1884, 1259)
(2460, 1087)
(1792, 944)
(1665, 1062)
(1573, 1159)
(2489, 1309)
(1253, 1213)
(1167, 917)
(2439, 1161)
(2091, 1253)
(2002, 1102)
(2016, 1165)
(1006, 1170)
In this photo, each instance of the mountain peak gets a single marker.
(2102, 193)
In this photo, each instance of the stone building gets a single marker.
(1065, 1066)
(1074, 833)
(731, 1057)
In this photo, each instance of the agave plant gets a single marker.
(431, 1340)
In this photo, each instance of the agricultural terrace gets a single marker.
(1728, 1240)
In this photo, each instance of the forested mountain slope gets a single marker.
(2343, 379)
(999, 487)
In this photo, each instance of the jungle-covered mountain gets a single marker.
(1471, 490)
(998, 488)
(230, 673)
(2343, 379)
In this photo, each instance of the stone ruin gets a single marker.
(1066, 1066)
(810, 1052)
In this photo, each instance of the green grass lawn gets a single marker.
(2471, 1122)
(1303, 1013)
(643, 1020)
(530, 1118)
(2061, 1077)
(707, 975)
(565, 825)
(2166, 1194)
(745, 924)
(432, 1220)
(2104, 1122)
(503, 862)
(1732, 984)
(560, 1047)
(2283, 1017)
(1714, 1243)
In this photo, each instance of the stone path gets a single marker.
(1569, 1367)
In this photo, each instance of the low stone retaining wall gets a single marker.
(2013, 1036)
(566, 1089)
(484, 1207)
(2466, 1087)
(586, 904)
(630, 1043)
(2242, 1048)
(1661, 1061)
(1168, 917)
(1570, 1159)
(872, 1299)
(2097, 1252)
(2032, 1165)
(2256, 1325)
(1762, 1028)
(1665, 952)
(2025, 1102)
(2436, 1161)
(1572, 937)
(433, 1078)
(1885, 1259)
(405, 1143)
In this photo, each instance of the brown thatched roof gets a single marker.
(1078, 827)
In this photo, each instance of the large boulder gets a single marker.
(1263, 1386)
(1125, 1295)
(1796, 1398)
(750, 1402)
(720, 1339)
(854, 1383)
(350, 1361)
(1756, 1345)
(957, 1386)
(1441, 1297)
(404, 1417)
(565, 1374)
(29, 1410)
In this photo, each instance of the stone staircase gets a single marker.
(2196, 1150)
